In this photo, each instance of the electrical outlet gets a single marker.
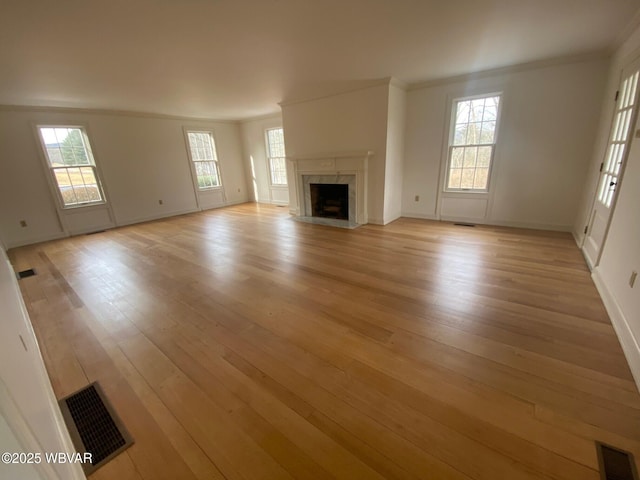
(160, 202)
(23, 223)
(417, 198)
(632, 278)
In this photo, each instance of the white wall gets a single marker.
(621, 249)
(143, 159)
(353, 121)
(395, 153)
(547, 129)
(256, 162)
(10, 443)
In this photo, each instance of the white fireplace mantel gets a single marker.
(338, 165)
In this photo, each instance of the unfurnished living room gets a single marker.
(296, 239)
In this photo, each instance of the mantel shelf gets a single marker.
(328, 155)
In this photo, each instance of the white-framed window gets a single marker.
(276, 156)
(472, 141)
(72, 165)
(202, 150)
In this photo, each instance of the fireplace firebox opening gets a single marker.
(330, 200)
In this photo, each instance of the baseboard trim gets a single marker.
(98, 228)
(421, 216)
(151, 218)
(501, 223)
(38, 239)
(222, 205)
(269, 202)
(235, 202)
(629, 343)
(578, 237)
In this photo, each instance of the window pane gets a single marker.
(462, 114)
(202, 146)
(55, 156)
(467, 178)
(477, 109)
(455, 175)
(68, 157)
(275, 142)
(278, 171)
(470, 157)
(475, 124)
(66, 149)
(490, 112)
(473, 133)
(77, 185)
(81, 155)
(203, 154)
(460, 135)
(62, 178)
(456, 157)
(484, 156)
(69, 196)
(207, 174)
(204, 180)
(89, 176)
(75, 176)
(482, 175)
(65, 146)
(213, 172)
(277, 156)
(488, 132)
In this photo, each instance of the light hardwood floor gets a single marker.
(240, 344)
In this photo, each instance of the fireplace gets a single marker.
(331, 189)
(330, 200)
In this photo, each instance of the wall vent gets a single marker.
(94, 426)
(615, 464)
(26, 273)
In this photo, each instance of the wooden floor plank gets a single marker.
(240, 344)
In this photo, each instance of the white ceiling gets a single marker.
(231, 59)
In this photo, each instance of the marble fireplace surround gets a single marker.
(348, 168)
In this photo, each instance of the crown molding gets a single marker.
(102, 111)
(267, 116)
(522, 67)
(396, 82)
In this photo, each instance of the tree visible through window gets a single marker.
(472, 143)
(277, 157)
(205, 159)
(72, 165)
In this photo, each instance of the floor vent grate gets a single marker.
(94, 426)
(26, 273)
(97, 231)
(615, 464)
(458, 224)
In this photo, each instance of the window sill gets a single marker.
(466, 193)
(83, 206)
